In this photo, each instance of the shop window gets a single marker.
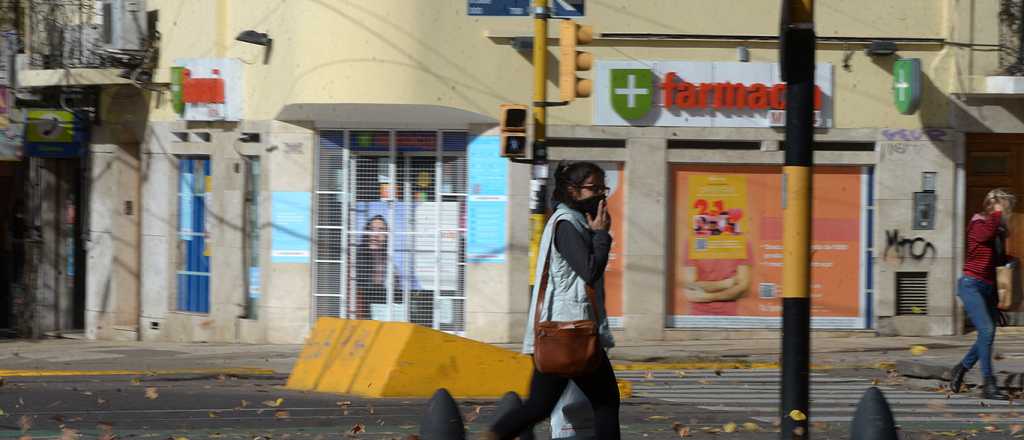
(193, 253)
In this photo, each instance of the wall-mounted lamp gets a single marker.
(743, 54)
(253, 37)
(879, 48)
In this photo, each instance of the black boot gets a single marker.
(956, 377)
(990, 390)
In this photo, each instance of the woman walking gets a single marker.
(570, 270)
(977, 289)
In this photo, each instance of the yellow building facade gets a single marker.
(343, 164)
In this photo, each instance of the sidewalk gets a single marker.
(828, 352)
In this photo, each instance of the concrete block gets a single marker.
(377, 359)
(287, 286)
(487, 287)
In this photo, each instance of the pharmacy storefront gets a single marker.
(724, 193)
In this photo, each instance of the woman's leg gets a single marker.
(545, 390)
(971, 292)
(603, 392)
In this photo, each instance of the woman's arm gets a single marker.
(741, 282)
(571, 245)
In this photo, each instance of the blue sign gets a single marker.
(487, 211)
(568, 8)
(290, 227)
(501, 8)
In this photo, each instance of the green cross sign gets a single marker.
(632, 92)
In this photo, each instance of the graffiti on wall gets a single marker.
(917, 248)
(915, 134)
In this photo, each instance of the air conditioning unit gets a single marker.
(124, 24)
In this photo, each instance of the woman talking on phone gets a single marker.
(567, 328)
(977, 290)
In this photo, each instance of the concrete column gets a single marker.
(286, 304)
(157, 210)
(498, 294)
(644, 292)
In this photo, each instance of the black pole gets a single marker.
(798, 71)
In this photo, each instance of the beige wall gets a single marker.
(432, 53)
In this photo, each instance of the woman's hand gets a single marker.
(602, 221)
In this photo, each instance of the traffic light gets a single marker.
(570, 61)
(513, 130)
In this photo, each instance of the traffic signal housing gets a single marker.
(571, 36)
(512, 120)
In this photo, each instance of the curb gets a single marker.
(57, 373)
(734, 365)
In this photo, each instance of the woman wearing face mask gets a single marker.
(977, 291)
(579, 243)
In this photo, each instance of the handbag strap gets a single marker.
(544, 285)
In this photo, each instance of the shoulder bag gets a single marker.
(564, 348)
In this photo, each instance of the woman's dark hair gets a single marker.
(572, 174)
(366, 238)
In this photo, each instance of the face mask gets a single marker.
(590, 204)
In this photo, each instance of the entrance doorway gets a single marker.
(996, 161)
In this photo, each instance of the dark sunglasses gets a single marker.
(595, 188)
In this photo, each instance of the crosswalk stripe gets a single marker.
(756, 394)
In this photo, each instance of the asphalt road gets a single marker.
(257, 407)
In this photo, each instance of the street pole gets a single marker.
(539, 165)
(797, 66)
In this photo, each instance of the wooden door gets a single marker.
(995, 161)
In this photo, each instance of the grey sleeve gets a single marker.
(588, 264)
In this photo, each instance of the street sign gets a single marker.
(499, 8)
(568, 8)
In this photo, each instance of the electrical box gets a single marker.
(924, 210)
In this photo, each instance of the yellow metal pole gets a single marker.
(540, 95)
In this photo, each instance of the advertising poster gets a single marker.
(487, 211)
(290, 226)
(728, 251)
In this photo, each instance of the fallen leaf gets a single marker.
(799, 431)
(151, 393)
(87, 393)
(704, 382)
(281, 414)
(683, 431)
(710, 430)
(729, 427)
(214, 414)
(245, 403)
(718, 372)
(136, 381)
(681, 373)
(1015, 429)
(358, 428)
(371, 408)
(797, 415)
(918, 350)
(649, 375)
(100, 401)
(25, 422)
(106, 431)
(992, 429)
(221, 378)
(274, 403)
(751, 426)
(916, 310)
(653, 418)
(2, 413)
(472, 415)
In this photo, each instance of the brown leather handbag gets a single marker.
(564, 348)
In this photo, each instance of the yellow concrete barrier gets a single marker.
(396, 359)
